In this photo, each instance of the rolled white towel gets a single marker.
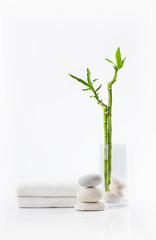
(46, 188)
(45, 202)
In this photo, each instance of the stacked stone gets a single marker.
(117, 190)
(90, 198)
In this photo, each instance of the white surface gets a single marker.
(46, 121)
(113, 224)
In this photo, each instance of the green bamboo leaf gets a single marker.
(88, 76)
(98, 87)
(109, 61)
(86, 89)
(92, 96)
(122, 62)
(95, 80)
(115, 67)
(118, 57)
(79, 80)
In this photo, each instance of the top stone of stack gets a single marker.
(120, 183)
(90, 180)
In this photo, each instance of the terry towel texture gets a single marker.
(46, 202)
(46, 193)
(47, 187)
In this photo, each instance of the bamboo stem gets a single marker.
(110, 84)
(105, 123)
(109, 132)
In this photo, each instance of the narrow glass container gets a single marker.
(120, 171)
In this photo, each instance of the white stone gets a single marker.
(119, 182)
(110, 197)
(91, 194)
(99, 206)
(117, 191)
(90, 180)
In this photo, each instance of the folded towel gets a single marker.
(46, 202)
(46, 187)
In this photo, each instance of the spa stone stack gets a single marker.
(117, 190)
(90, 198)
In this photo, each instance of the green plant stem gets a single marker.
(110, 84)
(105, 124)
(109, 132)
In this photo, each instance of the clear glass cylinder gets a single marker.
(120, 172)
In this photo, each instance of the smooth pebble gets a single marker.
(116, 190)
(99, 206)
(91, 194)
(119, 182)
(110, 197)
(90, 180)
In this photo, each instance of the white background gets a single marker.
(48, 125)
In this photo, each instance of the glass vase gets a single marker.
(119, 175)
